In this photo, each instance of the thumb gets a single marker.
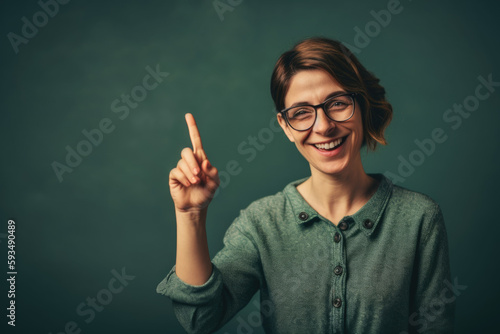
(207, 167)
(210, 171)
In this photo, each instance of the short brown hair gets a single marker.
(334, 58)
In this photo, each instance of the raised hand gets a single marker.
(194, 181)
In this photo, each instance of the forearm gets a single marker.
(205, 296)
(193, 265)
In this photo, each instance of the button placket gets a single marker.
(338, 276)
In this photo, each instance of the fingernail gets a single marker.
(195, 170)
(193, 179)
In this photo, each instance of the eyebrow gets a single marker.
(332, 94)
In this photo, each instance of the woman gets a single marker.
(340, 251)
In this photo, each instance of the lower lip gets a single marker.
(333, 152)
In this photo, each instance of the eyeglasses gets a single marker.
(339, 108)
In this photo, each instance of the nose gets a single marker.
(323, 124)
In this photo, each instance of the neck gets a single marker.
(340, 194)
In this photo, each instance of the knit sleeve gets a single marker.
(433, 295)
(235, 278)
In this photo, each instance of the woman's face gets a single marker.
(313, 87)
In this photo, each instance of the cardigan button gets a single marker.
(368, 223)
(343, 225)
(337, 302)
(338, 270)
(303, 216)
(336, 237)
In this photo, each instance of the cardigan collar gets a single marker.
(367, 218)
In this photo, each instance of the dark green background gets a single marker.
(114, 210)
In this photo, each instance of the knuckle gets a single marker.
(173, 174)
(184, 168)
(185, 151)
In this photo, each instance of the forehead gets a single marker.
(311, 86)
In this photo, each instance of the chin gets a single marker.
(332, 168)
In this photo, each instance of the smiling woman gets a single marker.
(334, 252)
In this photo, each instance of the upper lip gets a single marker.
(328, 141)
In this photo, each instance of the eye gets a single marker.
(338, 103)
(300, 113)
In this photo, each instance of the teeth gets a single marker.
(328, 146)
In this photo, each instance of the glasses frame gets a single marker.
(321, 105)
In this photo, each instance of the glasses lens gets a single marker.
(340, 108)
(301, 118)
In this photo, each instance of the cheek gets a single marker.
(290, 135)
(357, 134)
(359, 130)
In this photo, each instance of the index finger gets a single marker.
(194, 134)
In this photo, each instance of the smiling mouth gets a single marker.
(331, 145)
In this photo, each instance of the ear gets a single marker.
(285, 127)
